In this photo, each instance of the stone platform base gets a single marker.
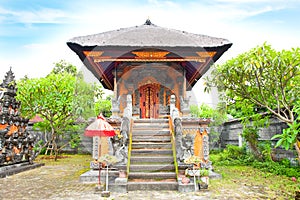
(115, 184)
(121, 185)
(190, 187)
(92, 176)
(17, 168)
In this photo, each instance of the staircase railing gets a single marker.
(171, 128)
(129, 146)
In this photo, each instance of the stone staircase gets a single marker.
(151, 163)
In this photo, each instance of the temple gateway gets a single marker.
(151, 69)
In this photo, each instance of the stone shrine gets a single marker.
(151, 69)
(16, 143)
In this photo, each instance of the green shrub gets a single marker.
(235, 152)
(277, 168)
(235, 156)
(265, 149)
(285, 162)
(292, 172)
(232, 155)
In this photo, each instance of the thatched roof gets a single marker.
(103, 52)
(148, 35)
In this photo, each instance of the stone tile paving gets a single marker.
(60, 181)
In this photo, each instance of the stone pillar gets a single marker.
(115, 108)
(240, 140)
(185, 107)
(184, 84)
(173, 110)
(204, 131)
(172, 103)
(115, 103)
(96, 147)
(128, 110)
(205, 146)
(115, 88)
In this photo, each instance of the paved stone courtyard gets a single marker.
(60, 180)
(57, 182)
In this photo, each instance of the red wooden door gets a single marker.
(149, 101)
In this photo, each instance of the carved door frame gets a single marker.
(149, 100)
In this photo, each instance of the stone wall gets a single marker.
(229, 134)
(85, 146)
(231, 130)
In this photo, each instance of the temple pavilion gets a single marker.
(151, 69)
(149, 63)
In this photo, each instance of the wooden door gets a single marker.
(149, 101)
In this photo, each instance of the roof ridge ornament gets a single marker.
(148, 22)
(9, 78)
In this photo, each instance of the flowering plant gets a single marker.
(193, 160)
(109, 159)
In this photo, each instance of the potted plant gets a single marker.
(202, 185)
(204, 176)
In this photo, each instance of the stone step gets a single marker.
(151, 167)
(149, 132)
(151, 145)
(152, 126)
(142, 152)
(151, 121)
(133, 186)
(152, 175)
(134, 159)
(151, 138)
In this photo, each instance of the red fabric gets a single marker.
(92, 133)
(100, 128)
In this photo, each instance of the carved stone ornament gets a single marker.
(16, 143)
(206, 147)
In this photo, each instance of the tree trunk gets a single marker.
(297, 147)
(255, 150)
(55, 152)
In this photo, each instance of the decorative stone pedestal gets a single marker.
(190, 187)
(92, 176)
(120, 185)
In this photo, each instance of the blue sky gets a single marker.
(33, 33)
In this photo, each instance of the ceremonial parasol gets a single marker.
(100, 127)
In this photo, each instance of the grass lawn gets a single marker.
(248, 181)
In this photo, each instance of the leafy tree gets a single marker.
(52, 99)
(64, 67)
(103, 106)
(268, 79)
(60, 98)
(252, 119)
(218, 115)
(83, 98)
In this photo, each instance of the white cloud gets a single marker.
(164, 3)
(220, 18)
(42, 15)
